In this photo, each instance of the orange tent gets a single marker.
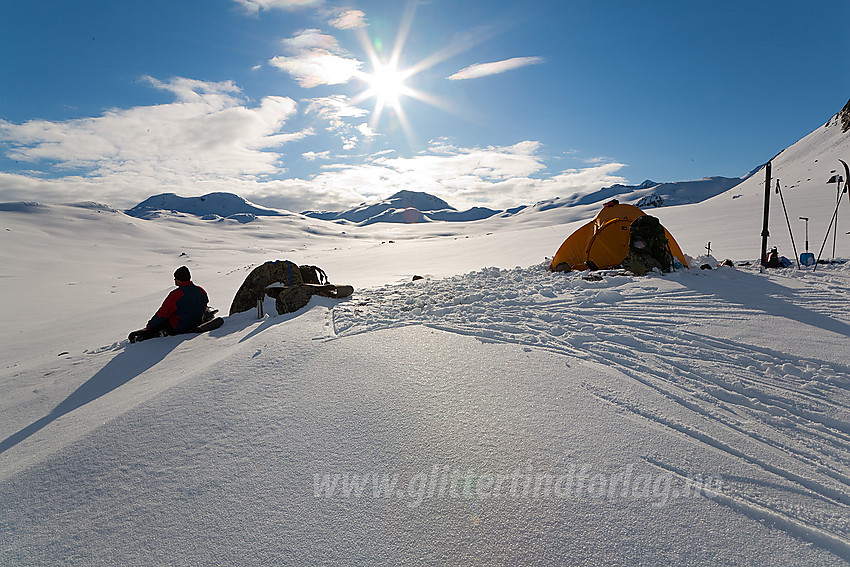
(604, 242)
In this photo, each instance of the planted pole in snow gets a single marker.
(807, 231)
(837, 201)
(788, 222)
(807, 258)
(835, 213)
(764, 232)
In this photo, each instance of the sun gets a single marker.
(386, 84)
(387, 81)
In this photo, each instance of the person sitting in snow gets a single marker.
(772, 259)
(182, 310)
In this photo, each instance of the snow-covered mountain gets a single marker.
(648, 194)
(410, 207)
(490, 413)
(404, 207)
(213, 206)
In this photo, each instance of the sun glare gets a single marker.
(387, 84)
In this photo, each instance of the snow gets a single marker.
(489, 413)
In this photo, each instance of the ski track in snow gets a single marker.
(788, 415)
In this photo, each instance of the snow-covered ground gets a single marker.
(491, 413)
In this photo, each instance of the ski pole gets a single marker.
(788, 222)
(825, 238)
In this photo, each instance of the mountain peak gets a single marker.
(418, 200)
(212, 204)
(404, 207)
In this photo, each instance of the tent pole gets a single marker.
(764, 232)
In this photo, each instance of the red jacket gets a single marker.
(182, 309)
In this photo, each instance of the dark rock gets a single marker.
(651, 201)
(293, 298)
(254, 287)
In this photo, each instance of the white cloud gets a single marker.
(489, 164)
(210, 140)
(316, 60)
(193, 90)
(311, 39)
(313, 156)
(485, 69)
(334, 108)
(349, 142)
(348, 19)
(255, 6)
(209, 134)
(317, 67)
(337, 110)
(366, 131)
(497, 177)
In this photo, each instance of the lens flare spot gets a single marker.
(411, 215)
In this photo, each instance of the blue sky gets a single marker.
(493, 102)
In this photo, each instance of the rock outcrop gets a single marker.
(285, 282)
(282, 272)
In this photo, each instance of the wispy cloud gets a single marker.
(338, 112)
(313, 156)
(311, 39)
(485, 69)
(348, 19)
(316, 59)
(254, 6)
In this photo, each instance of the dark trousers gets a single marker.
(162, 330)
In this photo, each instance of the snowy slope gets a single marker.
(491, 413)
(803, 171)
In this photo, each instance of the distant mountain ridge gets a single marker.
(417, 207)
(646, 194)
